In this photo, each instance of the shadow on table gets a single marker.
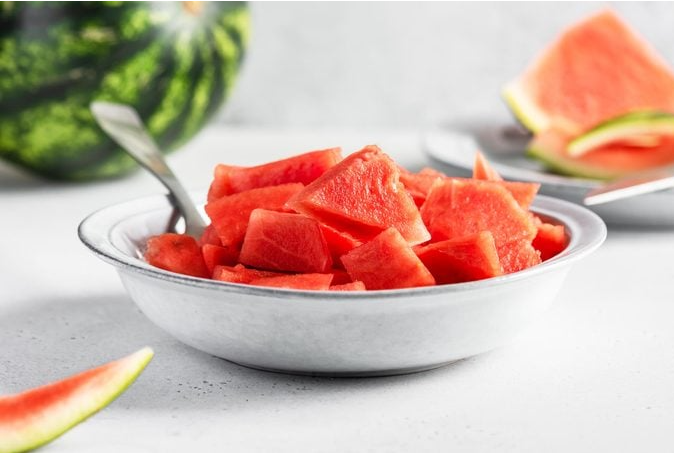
(49, 340)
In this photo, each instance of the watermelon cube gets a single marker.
(315, 282)
(550, 240)
(177, 253)
(303, 168)
(387, 262)
(215, 255)
(518, 255)
(240, 274)
(229, 215)
(461, 207)
(462, 259)
(362, 196)
(281, 241)
(353, 286)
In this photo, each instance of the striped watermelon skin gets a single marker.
(175, 62)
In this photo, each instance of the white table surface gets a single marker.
(596, 374)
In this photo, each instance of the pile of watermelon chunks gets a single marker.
(317, 221)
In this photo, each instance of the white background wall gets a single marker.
(385, 64)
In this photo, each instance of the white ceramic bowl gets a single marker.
(334, 333)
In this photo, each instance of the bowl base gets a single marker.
(347, 374)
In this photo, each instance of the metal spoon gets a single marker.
(632, 185)
(123, 124)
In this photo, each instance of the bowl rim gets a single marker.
(586, 232)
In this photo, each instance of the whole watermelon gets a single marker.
(175, 62)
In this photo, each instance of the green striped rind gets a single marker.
(49, 422)
(636, 128)
(176, 69)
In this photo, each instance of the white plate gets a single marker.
(453, 150)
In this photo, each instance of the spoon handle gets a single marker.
(122, 123)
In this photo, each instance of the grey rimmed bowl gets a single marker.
(334, 333)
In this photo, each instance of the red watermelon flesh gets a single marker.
(518, 255)
(598, 69)
(339, 243)
(463, 259)
(340, 276)
(215, 255)
(418, 184)
(362, 196)
(210, 236)
(280, 241)
(461, 207)
(240, 274)
(353, 286)
(315, 282)
(387, 262)
(523, 192)
(303, 168)
(177, 253)
(550, 240)
(37, 416)
(230, 214)
(482, 169)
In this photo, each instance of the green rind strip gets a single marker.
(622, 128)
(567, 166)
(524, 109)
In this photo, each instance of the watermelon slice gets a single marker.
(35, 417)
(177, 253)
(240, 274)
(550, 240)
(315, 282)
(462, 259)
(353, 286)
(215, 255)
(387, 262)
(362, 196)
(285, 242)
(461, 207)
(596, 70)
(303, 168)
(638, 130)
(229, 215)
(606, 162)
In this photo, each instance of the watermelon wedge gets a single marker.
(178, 253)
(482, 169)
(461, 207)
(550, 240)
(35, 417)
(362, 195)
(638, 130)
(462, 259)
(215, 255)
(596, 70)
(303, 168)
(387, 262)
(518, 255)
(280, 241)
(606, 162)
(229, 215)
